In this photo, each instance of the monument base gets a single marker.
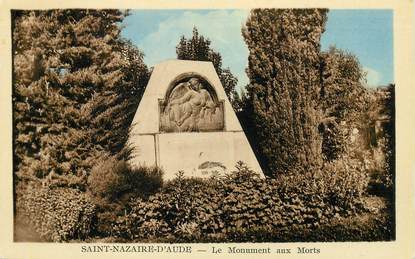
(198, 154)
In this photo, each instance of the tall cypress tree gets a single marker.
(76, 86)
(284, 73)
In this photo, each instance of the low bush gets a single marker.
(342, 184)
(112, 178)
(227, 208)
(106, 179)
(56, 214)
(375, 225)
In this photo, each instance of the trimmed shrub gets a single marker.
(111, 179)
(57, 214)
(106, 179)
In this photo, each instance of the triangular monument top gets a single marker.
(165, 76)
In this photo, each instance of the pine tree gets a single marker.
(198, 48)
(76, 86)
(284, 73)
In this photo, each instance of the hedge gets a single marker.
(57, 214)
(187, 210)
(238, 207)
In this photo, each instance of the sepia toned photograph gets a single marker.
(253, 125)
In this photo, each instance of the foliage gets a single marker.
(112, 178)
(76, 86)
(381, 118)
(188, 209)
(303, 105)
(389, 130)
(368, 226)
(365, 226)
(198, 48)
(343, 184)
(57, 214)
(344, 101)
(284, 73)
(112, 183)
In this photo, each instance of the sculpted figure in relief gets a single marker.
(190, 107)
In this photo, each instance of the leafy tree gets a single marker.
(389, 105)
(343, 100)
(198, 48)
(380, 122)
(389, 135)
(284, 73)
(76, 86)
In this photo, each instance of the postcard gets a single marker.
(198, 129)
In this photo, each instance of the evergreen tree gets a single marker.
(198, 48)
(76, 86)
(284, 73)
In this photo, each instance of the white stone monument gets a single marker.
(185, 122)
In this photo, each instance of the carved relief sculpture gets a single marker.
(191, 107)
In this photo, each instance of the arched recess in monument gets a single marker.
(191, 104)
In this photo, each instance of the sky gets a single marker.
(368, 34)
